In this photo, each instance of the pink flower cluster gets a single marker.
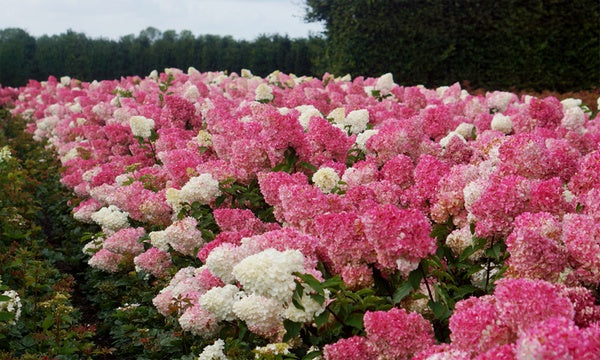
(527, 319)
(521, 170)
(393, 334)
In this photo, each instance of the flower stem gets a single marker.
(426, 283)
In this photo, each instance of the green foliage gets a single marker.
(245, 196)
(342, 317)
(541, 44)
(34, 219)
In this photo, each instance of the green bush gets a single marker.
(540, 44)
(34, 228)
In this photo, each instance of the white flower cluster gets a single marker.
(173, 199)
(192, 93)
(311, 308)
(111, 219)
(141, 126)
(385, 84)
(574, 119)
(261, 314)
(203, 189)
(266, 286)
(128, 307)
(269, 273)
(465, 130)
(69, 155)
(204, 138)
(306, 112)
(263, 92)
(219, 301)
(65, 80)
(271, 350)
(184, 237)
(446, 139)
(247, 74)
(326, 179)
(159, 240)
(214, 351)
(361, 139)
(354, 123)
(5, 154)
(103, 110)
(499, 100)
(405, 266)
(221, 261)
(569, 103)
(337, 115)
(122, 115)
(502, 123)
(472, 192)
(93, 246)
(459, 239)
(12, 305)
(48, 123)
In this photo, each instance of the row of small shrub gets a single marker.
(52, 305)
(38, 316)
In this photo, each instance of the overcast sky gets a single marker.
(242, 19)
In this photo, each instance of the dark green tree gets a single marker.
(23, 57)
(17, 51)
(538, 44)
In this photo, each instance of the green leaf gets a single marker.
(6, 316)
(478, 244)
(322, 319)
(440, 231)
(440, 310)
(415, 277)
(153, 135)
(335, 282)
(401, 292)
(48, 321)
(355, 320)
(292, 329)
(495, 251)
(311, 281)
(4, 298)
(297, 303)
(464, 290)
(27, 341)
(308, 166)
(299, 289)
(312, 355)
(319, 298)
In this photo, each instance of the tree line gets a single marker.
(24, 57)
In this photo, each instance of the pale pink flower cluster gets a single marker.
(153, 261)
(125, 241)
(184, 236)
(106, 260)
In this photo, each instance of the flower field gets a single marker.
(336, 218)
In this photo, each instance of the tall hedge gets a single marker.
(531, 44)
